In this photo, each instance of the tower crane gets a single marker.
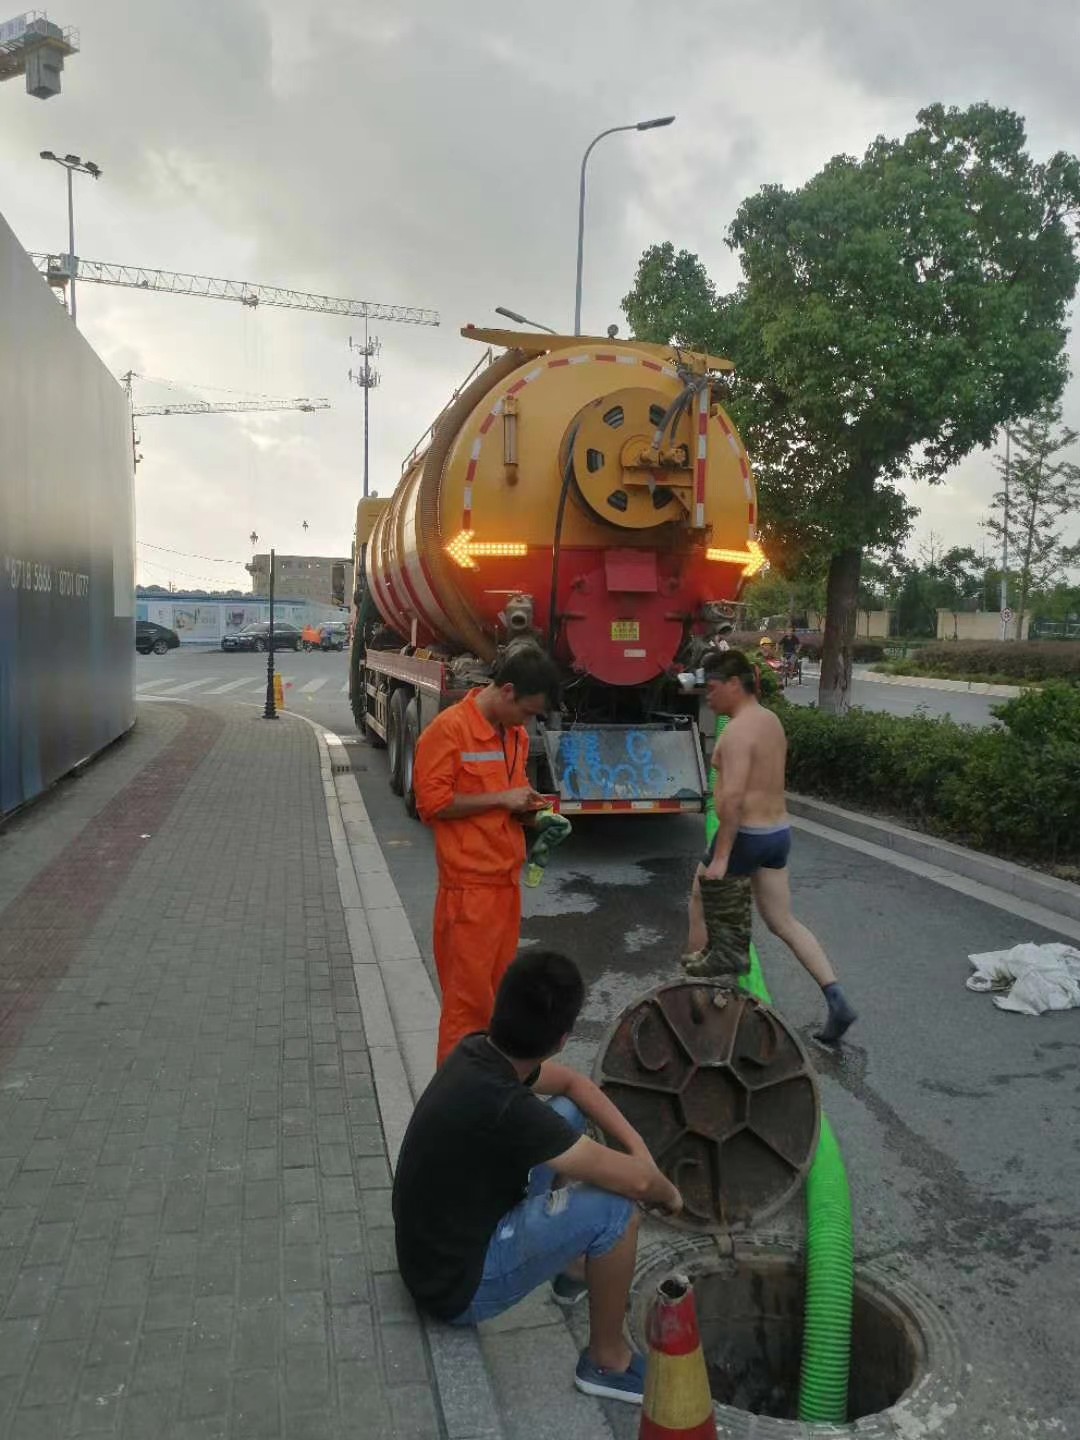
(33, 46)
(210, 407)
(216, 407)
(58, 270)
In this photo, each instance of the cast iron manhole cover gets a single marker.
(724, 1095)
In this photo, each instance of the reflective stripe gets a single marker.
(483, 755)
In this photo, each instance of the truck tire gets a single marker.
(395, 739)
(408, 755)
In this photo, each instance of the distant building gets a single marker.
(322, 579)
(201, 619)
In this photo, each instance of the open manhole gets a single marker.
(750, 1310)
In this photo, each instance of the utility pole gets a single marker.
(128, 382)
(367, 379)
(1005, 546)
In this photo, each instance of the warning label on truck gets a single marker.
(625, 630)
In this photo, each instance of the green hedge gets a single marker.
(1020, 660)
(1012, 789)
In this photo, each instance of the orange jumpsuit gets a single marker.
(478, 906)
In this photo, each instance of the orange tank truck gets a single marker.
(589, 496)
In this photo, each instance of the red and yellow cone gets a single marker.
(678, 1405)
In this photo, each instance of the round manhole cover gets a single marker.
(722, 1092)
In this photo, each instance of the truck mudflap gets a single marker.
(621, 768)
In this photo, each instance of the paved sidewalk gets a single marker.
(195, 1232)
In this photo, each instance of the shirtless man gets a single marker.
(754, 837)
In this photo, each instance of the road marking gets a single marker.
(232, 685)
(345, 688)
(190, 685)
(261, 689)
(312, 686)
(149, 684)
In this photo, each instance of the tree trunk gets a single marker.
(841, 605)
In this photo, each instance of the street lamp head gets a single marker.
(511, 315)
(656, 124)
(72, 160)
(47, 155)
(94, 170)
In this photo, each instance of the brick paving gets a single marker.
(195, 1232)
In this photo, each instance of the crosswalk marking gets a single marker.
(345, 688)
(190, 685)
(232, 685)
(312, 686)
(149, 684)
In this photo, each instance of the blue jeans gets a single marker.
(549, 1229)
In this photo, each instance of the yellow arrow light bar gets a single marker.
(752, 559)
(464, 549)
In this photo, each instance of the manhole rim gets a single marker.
(937, 1388)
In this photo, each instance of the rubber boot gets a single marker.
(727, 904)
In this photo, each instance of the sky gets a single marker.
(428, 154)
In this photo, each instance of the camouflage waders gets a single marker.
(727, 904)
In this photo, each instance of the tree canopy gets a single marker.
(894, 312)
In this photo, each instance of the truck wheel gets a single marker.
(408, 755)
(395, 739)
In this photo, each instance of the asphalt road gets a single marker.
(965, 708)
(959, 1122)
(316, 684)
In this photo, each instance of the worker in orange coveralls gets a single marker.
(472, 789)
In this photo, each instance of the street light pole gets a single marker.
(270, 709)
(656, 124)
(71, 163)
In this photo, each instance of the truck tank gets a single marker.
(591, 493)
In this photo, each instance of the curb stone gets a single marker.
(401, 1015)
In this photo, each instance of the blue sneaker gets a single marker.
(628, 1384)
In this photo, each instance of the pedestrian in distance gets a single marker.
(754, 834)
(497, 1192)
(472, 788)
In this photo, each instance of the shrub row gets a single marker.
(1020, 659)
(1012, 789)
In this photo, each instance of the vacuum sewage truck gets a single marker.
(588, 496)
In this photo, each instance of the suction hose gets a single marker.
(830, 1243)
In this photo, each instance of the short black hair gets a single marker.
(537, 1004)
(531, 672)
(730, 665)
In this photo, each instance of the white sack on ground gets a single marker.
(1029, 978)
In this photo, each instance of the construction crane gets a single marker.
(207, 407)
(33, 46)
(216, 407)
(57, 270)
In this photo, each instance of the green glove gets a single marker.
(551, 831)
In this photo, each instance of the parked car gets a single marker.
(151, 639)
(257, 637)
(334, 636)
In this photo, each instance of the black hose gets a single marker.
(556, 542)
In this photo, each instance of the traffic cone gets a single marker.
(678, 1405)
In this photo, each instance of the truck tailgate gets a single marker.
(608, 768)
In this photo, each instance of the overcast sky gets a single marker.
(427, 154)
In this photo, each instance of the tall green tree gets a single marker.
(894, 312)
(1041, 488)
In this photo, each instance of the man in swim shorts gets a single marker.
(754, 835)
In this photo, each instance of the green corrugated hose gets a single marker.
(830, 1245)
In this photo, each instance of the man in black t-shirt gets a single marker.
(497, 1192)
